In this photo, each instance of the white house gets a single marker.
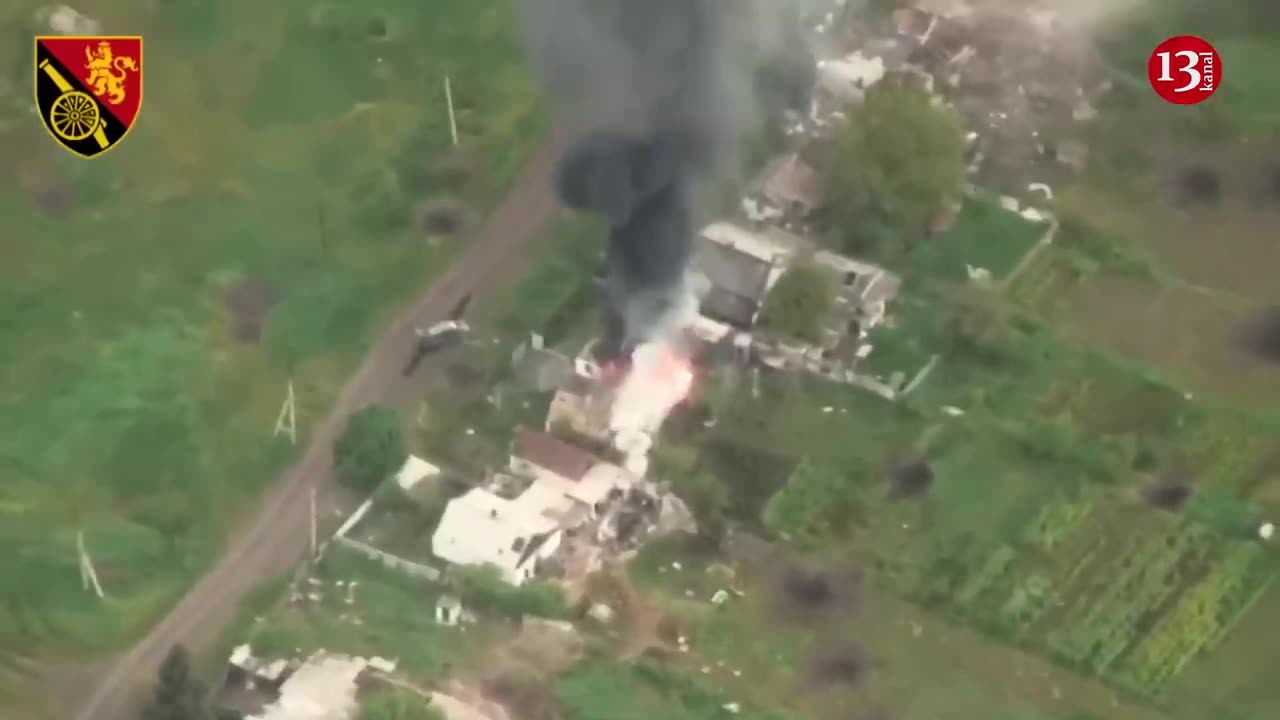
(480, 528)
(566, 486)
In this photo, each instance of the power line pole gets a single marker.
(287, 421)
(453, 122)
(88, 577)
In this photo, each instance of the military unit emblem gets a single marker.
(88, 89)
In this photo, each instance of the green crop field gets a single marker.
(279, 196)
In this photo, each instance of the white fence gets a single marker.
(394, 562)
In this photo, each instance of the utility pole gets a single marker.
(88, 577)
(287, 421)
(453, 122)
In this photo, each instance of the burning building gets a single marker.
(625, 403)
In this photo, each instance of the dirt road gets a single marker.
(276, 537)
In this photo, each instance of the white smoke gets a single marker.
(660, 377)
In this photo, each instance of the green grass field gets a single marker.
(292, 147)
(389, 614)
(985, 236)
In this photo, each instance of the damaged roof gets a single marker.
(734, 271)
(552, 453)
(789, 179)
(729, 308)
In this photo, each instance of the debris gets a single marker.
(1033, 215)
(1084, 112)
(979, 275)
(733, 707)
(601, 613)
(952, 410)
(382, 665)
(1266, 531)
(720, 597)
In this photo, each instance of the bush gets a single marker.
(371, 447)
(179, 694)
(483, 589)
(1225, 512)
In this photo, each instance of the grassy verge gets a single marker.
(136, 415)
(558, 289)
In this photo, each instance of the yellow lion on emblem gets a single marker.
(108, 72)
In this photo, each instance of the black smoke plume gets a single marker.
(642, 87)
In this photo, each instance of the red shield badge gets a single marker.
(88, 89)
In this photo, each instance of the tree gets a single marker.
(179, 694)
(371, 447)
(898, 163)
(798, 301)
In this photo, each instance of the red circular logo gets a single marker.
(1184, 70)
